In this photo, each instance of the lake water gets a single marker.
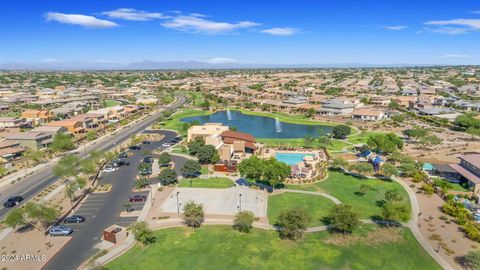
(261, 126)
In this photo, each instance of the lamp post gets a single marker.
(190, 182)
(240, 202)
(178, 205)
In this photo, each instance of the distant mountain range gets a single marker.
(161, 65)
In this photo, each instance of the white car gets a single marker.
(110, 169)
(166, 144)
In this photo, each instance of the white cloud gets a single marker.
(79, 19)
(51, 60)
(131, 14)
(457, 56)
(454, 27)
(277, 31)
(198, 24)
(221, 60)
(395, 27)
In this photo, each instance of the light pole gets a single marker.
(240, 202)
(190, 182)
(178, 205)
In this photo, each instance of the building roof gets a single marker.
(238, 135)
(367, 112)
(465, 173)
(29, 135)
(473, 159)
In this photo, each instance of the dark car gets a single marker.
(123, 155)
(134, 147)
(148, 160)
(74, 219)
(145, 172)
(146, 142)
(121, 162)
(13, 201)
(138, 198)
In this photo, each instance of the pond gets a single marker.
(261, 126)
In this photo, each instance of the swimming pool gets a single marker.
(291, 158)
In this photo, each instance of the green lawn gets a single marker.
(111, 103)
(214, 182)
(179, 150)
(175, 123)
(362, 137)
(204, 169)
(220, 247)
(317, 206)
(453, 186)
(287, 118)
(335, 144)
(344, 187)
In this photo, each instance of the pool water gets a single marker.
(291, 158)
(427, 166)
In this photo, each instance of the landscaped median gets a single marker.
(221, 247)
(212, 182)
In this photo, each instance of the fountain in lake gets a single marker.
(229, 115)
(278, 125)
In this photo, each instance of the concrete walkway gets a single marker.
(412, 225)
(335, 200)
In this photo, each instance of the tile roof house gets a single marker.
(368, 114)
(37, 116)
(73, 126)
(10, 150)
(467, 170)
(29, 139)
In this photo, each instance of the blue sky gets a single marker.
(268, 32)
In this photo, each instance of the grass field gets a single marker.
(317, 206)
(344, 187)
(214, 182)
(287, 118)
(111, 103)
(175, 123)
(220, 247)
(453, 186)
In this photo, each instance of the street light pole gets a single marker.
(240, 204)
(178, 205)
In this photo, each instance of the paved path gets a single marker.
(335, 200)
(412, 225)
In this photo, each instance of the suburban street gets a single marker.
(36, 182)
(103, 210)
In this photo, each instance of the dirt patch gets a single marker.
(376, 237)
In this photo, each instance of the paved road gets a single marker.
(38, 181)
(103, 210)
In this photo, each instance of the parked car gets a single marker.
(121, 162)
(123, 155)
(110, 169)
(145, 172)
(60, 231)
(167, 144)
(146, 142)
(13, 201)
(148, 160)
(134, 147)
(74, 219)
(138, 198)
(387, 223)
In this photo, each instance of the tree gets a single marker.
(430, 140)
(339, 163)
(73, 186)
(205, 105)
(66, 166)
(471, 260)
(308, 141)
(341, 131)
(91, 135)
(88, 166)
(62, 142)
(389, 170)
(142, 233)
(393, 195)
(361, 168)
(191, 168)
(207, 154)
(243, 221)
(363, 189)
(274, 172)
(34, 155)
(386, 143)
(293, 223)
(324, 141)
(310, 112)
(416, 132)
(193, 214)
(343, 219)
(395, 211)
(167, 177)
(251, 168)
(164, 159)
(39, 216)
(398, 118)
(195, 145)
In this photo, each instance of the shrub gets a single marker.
(243, 221)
